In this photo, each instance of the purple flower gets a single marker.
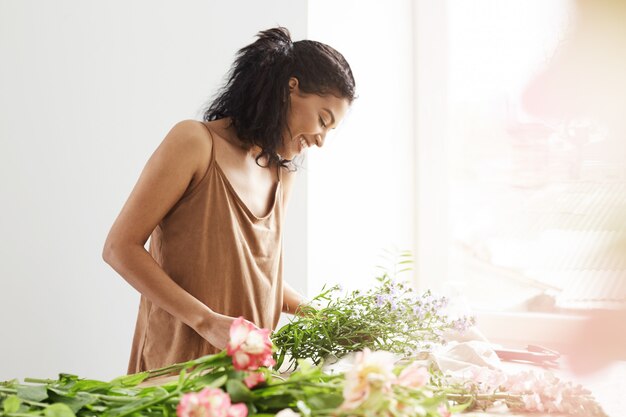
(381, 300)
(461, 324)
(394, 291)
(442, 303)
(418, 311)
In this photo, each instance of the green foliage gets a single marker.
(11, 404)
(391, 316)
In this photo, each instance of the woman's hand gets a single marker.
(216, 329)
(305, 309)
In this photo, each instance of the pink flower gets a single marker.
(254, 379)
(210, 402)
(249, 346)
(487, 380)
(443, 411)
(372, 373)
(238, 410)
(532, 402)
(414, 376)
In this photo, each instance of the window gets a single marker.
(516, 212)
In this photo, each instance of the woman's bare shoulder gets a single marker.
(194, 137)
(193, 131)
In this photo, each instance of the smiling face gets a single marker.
(310, 118)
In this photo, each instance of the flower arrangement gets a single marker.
(390, 316)
(239, 381)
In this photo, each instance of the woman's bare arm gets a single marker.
(163, 181)
(292, 300)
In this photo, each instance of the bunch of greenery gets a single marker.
(71, 396)
(308, 391)
(391, 316)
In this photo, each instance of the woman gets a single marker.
(212, 198)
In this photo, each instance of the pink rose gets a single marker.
(210, 402)
(249, 346)
(254, 379)
(414, 376)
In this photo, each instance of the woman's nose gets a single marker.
(319, 139)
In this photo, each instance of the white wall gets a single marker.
(87, 91)
(361, 184)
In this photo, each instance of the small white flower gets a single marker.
(255, 343)
(287, 412)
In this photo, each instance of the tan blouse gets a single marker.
(216, 249)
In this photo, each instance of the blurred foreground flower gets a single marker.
(414, 376)
(287, 412)
(371, 374)
(210, 402)
(254, 379)
(249, 346)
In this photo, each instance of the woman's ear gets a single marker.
(293, 84)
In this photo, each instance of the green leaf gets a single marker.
(75, 401)
(281, 359)
(209, 380)
(11, 404)
(90, 385)
(238, 391)
(130, 380)
(58, 410)
(36, 393)
(325, 401)
(181, 378)
(458, 408)
(67, 380)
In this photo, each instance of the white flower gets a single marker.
(255, 343)
(287, 412)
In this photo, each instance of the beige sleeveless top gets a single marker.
(216, 249)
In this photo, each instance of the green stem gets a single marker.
(114, 398)
(203, 360)
(151, 403)
(43, 405)
(11, 390)
(40, 381)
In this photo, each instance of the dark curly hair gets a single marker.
(256, 94)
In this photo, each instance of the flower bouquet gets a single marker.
(243, 380)
(391, 316)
